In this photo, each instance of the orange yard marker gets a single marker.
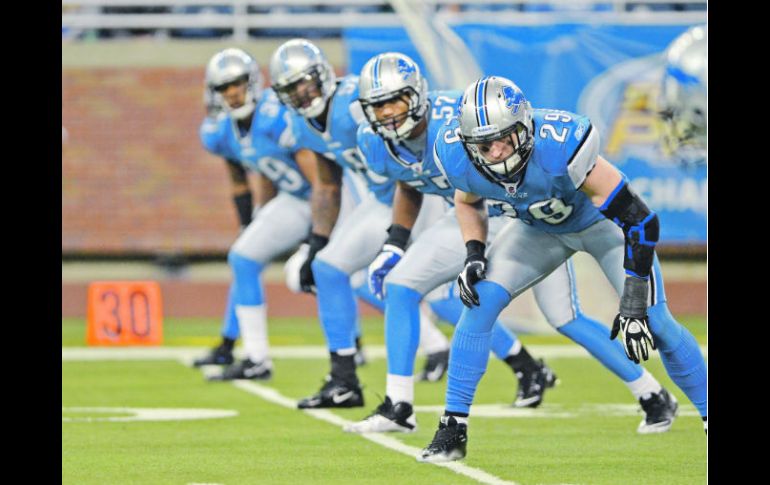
(124, 313)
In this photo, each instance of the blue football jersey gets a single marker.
(264, 148)
(337, 140)
(392, 160)
(548, 197)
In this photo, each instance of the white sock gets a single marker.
(645, 386)
(432, 340)
(252, 320)
(460, 420)
(346, 351)
(400, 388)
(515, 348)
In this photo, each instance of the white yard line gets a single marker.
(187, 354)
(389, 442)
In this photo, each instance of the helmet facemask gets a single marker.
(508, 168)
(250, 98)
(390, 127)
(311, 102)
(233, 67)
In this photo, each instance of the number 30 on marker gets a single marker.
(124, 313)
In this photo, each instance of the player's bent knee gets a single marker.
(663, 325)
(243, 265)
(401, 294)
(493, 294)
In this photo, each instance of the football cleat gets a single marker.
(532, 385)
(219, 355)
(660, 410)
(705, 424)
(245, 369)
(448, 443)
(387, 417)
(436, 366)
(334, 394)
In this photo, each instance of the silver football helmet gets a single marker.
(228, 67)
(297, 68)
(387, 76)
(494, 108)
(683, 101)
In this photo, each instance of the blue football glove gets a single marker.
(379, 268)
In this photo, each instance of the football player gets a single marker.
(563, 197)
(326, 114)
(404, 121)
(246, 209)
(250, 129)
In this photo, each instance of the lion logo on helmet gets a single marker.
(405, 68)
(513, 98)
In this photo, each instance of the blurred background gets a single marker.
(142, 199)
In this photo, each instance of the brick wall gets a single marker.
(135, 177)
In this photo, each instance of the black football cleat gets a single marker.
(245, 369)
(387, 417)
(334, 394)
(219, 355)
(436, 366)
(448, 443)
(659, 412)
(532, 385)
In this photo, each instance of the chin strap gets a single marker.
(244, 111)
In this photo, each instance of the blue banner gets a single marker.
(610, 73)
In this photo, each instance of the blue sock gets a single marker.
(363, 293)
(680, 354)
(469, 354)
(336, 305)
(248, 280)
(595, 338)
(450, 309)
(230, 323)
(402, 328)
(502, 340)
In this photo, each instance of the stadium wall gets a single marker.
(135, 179)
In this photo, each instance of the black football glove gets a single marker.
(306, 279)
(474, 271)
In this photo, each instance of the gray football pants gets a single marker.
(438, 255)
(357, 240)
(521, 256)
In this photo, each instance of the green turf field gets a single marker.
(583, 433)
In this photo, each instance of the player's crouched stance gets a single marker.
(566, 196)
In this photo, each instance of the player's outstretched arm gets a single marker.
(472, 215)
(611, 193)
(406, 206)
(241, 192)
(326, 180)
(326, 195)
